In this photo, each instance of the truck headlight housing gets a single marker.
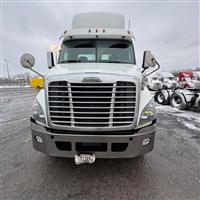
(148, 114)
(38, 113)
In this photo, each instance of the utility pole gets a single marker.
(5, 60)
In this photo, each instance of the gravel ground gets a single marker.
(170, 171)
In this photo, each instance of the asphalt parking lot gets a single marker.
(170, 171)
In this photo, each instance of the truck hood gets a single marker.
(157, 81)
(108, 68)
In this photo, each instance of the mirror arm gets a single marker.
(152, 71)
(144, 69)
(37, 72)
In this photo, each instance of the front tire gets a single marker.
(161, 98)
(178, 101)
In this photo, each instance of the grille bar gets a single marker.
(91, 104)
(54, 116)
(98, 102)
(91, 97)
(92, 86)
(126, 122)
(90, 107)
(112, 104)
(71, 104)
(88, 112)
(88, 92)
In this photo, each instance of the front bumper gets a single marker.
(103, 146)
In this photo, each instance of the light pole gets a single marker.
(5, 60)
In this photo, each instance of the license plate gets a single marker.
(84, 158)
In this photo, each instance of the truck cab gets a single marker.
(190, 80)
(196, 75)
(168, 80)
(153, 82)
(94, 103)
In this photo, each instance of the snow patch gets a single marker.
(13, 86)
(189, 119)
(190, 126)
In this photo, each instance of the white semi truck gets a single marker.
(153, 82)
(168, 80)
(94, 103)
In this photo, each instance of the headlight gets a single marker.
(148, 114)
(38, 113)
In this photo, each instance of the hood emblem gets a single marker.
(91, 80)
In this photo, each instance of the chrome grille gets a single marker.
(91, 104)
(157, 84)
(174, 85)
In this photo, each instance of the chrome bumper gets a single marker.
(110, 145)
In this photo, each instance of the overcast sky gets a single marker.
(169, 29)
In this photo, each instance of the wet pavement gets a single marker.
(170, 171)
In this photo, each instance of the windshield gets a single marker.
(171, 78)
(154, 78)
(97, 50)
(188, 79)
(197, 78)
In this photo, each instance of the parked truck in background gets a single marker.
(196, 75)
(94, 102)
(153, 82)
(168, 80)
(187, 97)
(189, 79)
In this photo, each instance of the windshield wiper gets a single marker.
(114, 61)
(111, 61)
(70, 61)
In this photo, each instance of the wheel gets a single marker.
(164, 87)
(161, 98)
(197, 103)
(149, 88)
(178, 101)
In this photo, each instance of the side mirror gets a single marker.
(27, 60)
(50, 60)
(148, 60)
